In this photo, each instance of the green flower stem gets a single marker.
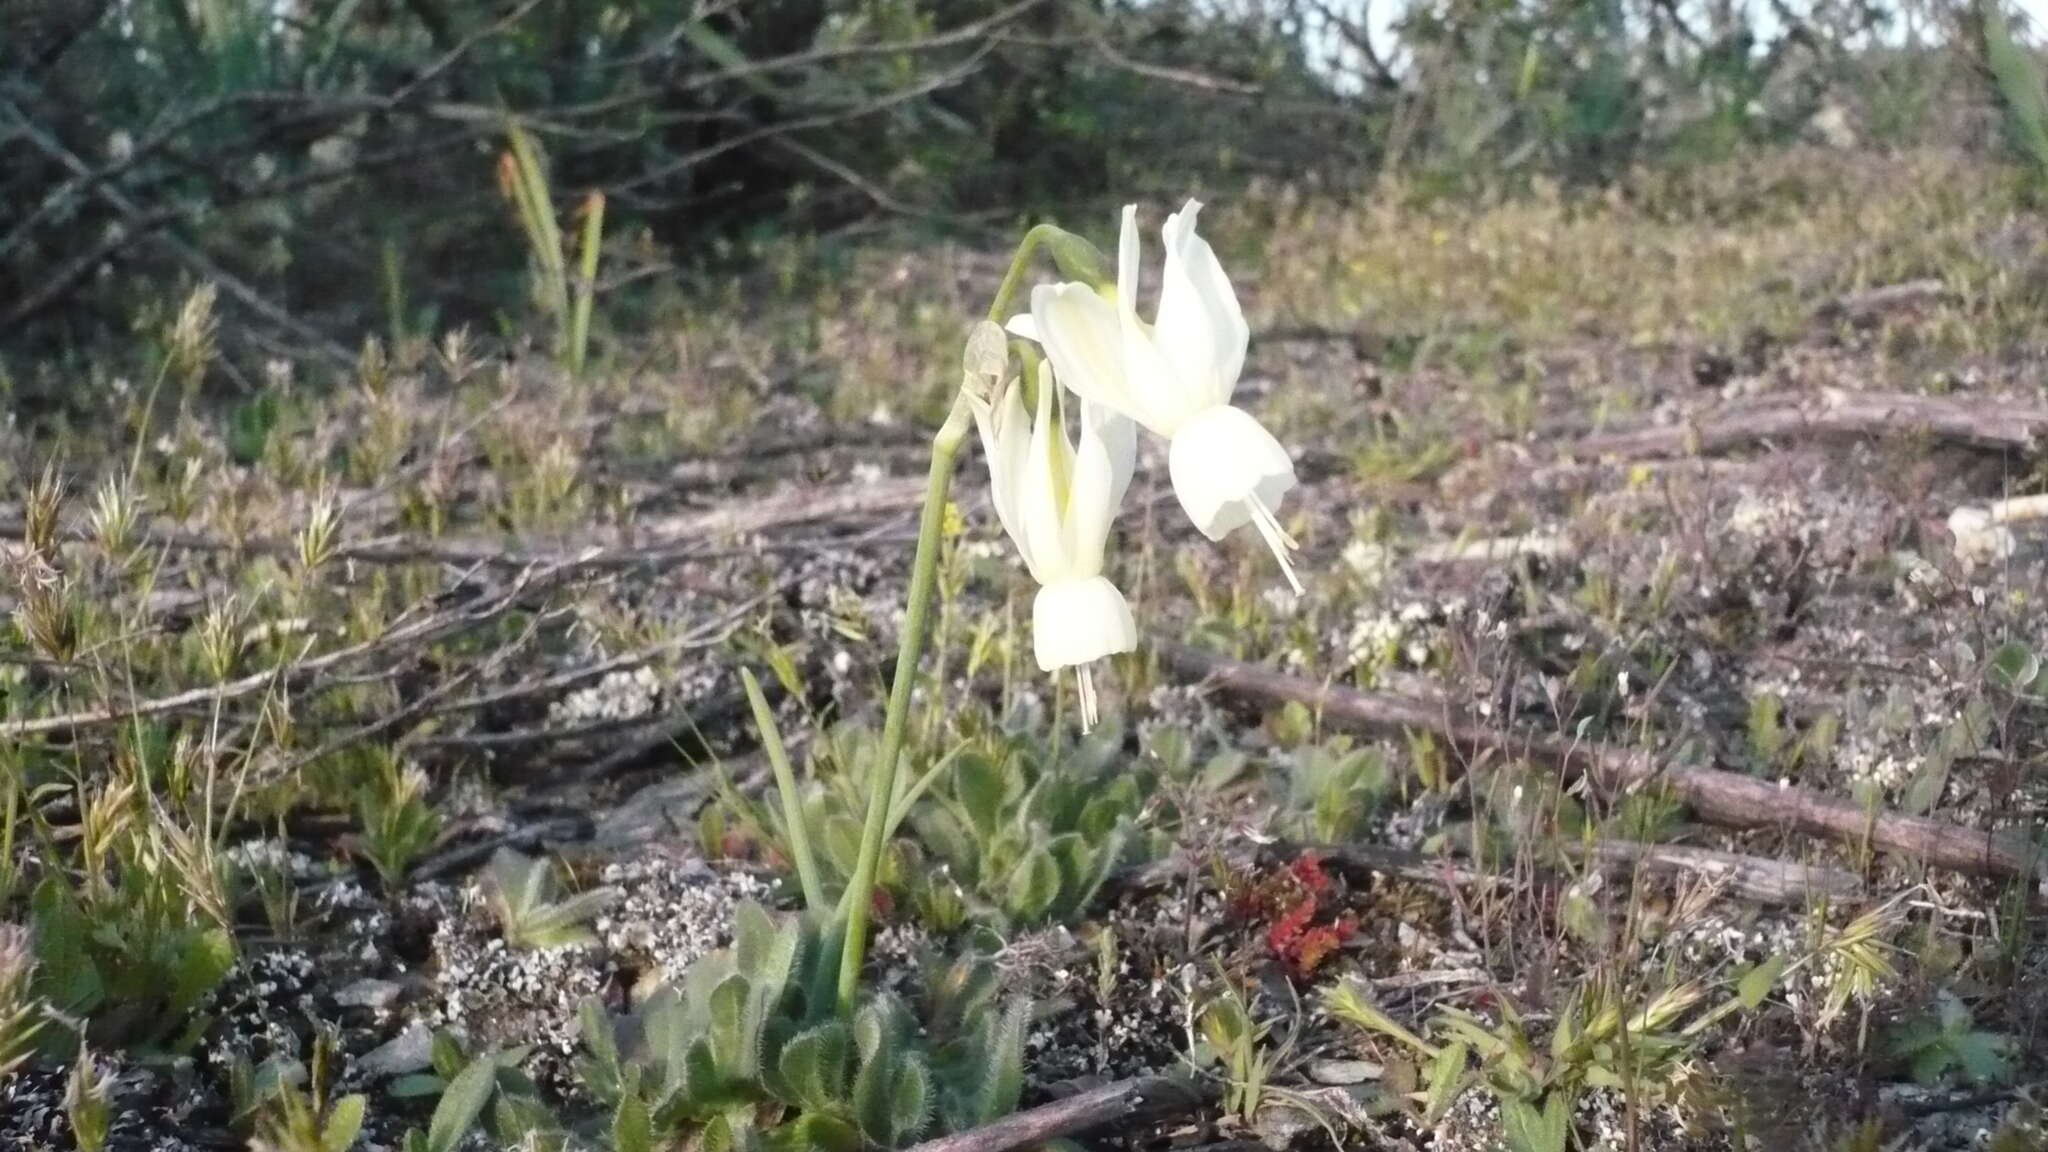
(910, 648)
(859, 898)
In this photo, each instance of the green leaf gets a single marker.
(1984, 1057)
(461, 1104)
(2014, 668)
(1002, 1056)
(753, 934)
(632, 1129)
(814, 1065)
(343, 1125)
(909, 1101)
(203, 963)
(1034, 886)
(1528, 1129)
(416, 1086)
(1966, 736)
(821, 1132)
(978, 784)
(703, 1084)
(1758, 981)
(876, 1034)
(65, 973)
(446, 1055)
(1446, 1081)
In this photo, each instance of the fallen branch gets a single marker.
(1757, 878)
(1725, 798)
(1976, 421)
(1754, 878)
(1127, 1102)
(1348, 858)
(1871, 304)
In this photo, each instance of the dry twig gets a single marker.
(1719, 797)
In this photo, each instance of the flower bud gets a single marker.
(1078, 259)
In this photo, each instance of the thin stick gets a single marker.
(1719, 797)
(1129, 1102)
(1978, 421)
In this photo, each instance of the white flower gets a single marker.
(1056, 501)
(1174, 376)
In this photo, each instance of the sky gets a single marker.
(1382, 14)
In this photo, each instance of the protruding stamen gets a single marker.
(1090, 711)
(1276, 538)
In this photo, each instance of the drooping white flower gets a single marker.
(1056, 500)
(1175, 376)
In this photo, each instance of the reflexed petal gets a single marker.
(1129, 253)
(1201, 327)
(1076, 621)
(1084, 340)
(1024, 324)
(1220, 460)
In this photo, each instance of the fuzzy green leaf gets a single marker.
(1758, 981)
(822, 1132)
(1034, 886)
(343, 1125)
(814, 1067)
(1446, 1082)
(978, 783)
(203, 963)
(632, 1128)
(909, 1101)
(1529, 1129)
(461, 1104)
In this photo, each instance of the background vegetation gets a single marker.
(331, 163)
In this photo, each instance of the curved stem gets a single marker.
(1018, 263)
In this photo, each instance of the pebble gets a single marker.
(1342, 1072)
(409, 1051)
(376, 995)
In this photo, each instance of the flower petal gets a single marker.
(1201, 327)
(1219, 461)
(1006, 441)
(1043, 489)
(1129, 253)
(1025, 325)
(1102, 465)
(1119, 436)
(1077, 621)
(1083, 338)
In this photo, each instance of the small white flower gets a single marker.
(1175, 376)
(1056, 501)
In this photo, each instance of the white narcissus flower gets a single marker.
(1056, 501)
(1174, 376)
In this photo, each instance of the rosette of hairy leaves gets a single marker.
(750, 1052)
